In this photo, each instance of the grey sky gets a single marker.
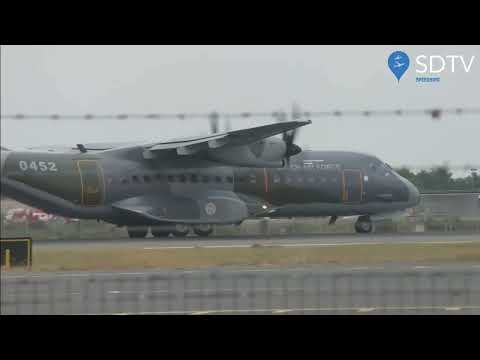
(144, 79)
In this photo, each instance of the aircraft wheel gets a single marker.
(159, 232)
(137, 232)
(203, 230)
(181, 230)
(363, 225)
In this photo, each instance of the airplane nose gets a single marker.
(3, 157)
(413, 193)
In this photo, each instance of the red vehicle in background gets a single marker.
(32, 216)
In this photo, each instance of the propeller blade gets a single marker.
(213, 122)
(228, 125)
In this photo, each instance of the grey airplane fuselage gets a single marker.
(316, 183)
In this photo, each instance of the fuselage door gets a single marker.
(91, 178)
(352, 186)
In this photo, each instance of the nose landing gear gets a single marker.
(364, 225)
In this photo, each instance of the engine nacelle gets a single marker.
(266, 153)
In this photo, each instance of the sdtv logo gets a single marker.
(399, 62)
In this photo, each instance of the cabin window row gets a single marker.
(178, 178)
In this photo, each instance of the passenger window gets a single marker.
(218, 179)
(229, 179)
(193, 178)
(242, 179)
(276, 178)
(171, 178)
(253, 179)
(146, 178)
(123, 181)
(205, 179)
(158, 177)
(288, 180)
(182, 178)
(135, 179)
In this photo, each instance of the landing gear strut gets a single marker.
(364, 225)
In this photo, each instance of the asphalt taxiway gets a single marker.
(274, 240)
(392, 289)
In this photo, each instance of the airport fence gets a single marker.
(256, 291)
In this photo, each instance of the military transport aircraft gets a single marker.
(194, 183)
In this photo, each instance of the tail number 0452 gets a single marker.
(38, 166)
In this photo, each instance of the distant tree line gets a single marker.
(440, 179)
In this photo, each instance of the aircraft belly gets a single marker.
(328, 209)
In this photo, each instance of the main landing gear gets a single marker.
(137, 231)
(364, 225)
(203, 230)
(163, 231)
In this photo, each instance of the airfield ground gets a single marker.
(317, 274)
(194, 253)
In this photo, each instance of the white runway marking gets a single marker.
(235, 246)
(363, 310)
(320, 309)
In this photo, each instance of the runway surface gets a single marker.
(274, 240)
(393, 289)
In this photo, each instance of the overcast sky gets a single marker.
(146, 79)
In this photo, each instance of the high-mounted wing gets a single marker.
(229, 139)
(246, 147)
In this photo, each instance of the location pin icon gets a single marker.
(398, 63)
